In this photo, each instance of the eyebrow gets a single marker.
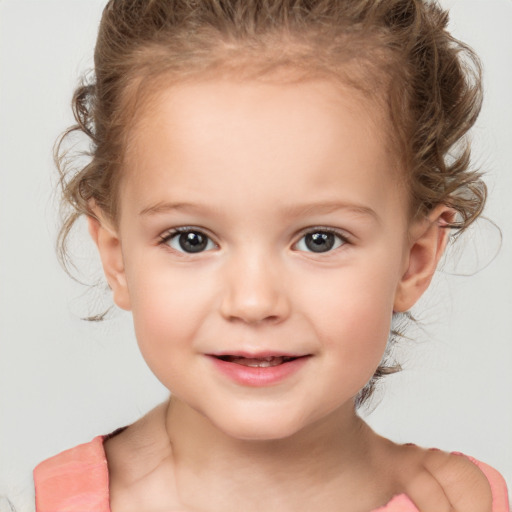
(325, 207)
(165, 207)
(298, 210)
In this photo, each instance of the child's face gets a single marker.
(292, 241)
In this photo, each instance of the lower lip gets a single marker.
(259, 376)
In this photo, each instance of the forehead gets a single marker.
(257, 137)
(276, 99)
(364, 89)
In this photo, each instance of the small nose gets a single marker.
(254, 291)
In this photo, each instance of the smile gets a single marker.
(263, 362)
(257, 370)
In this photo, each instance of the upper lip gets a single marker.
(256, 355)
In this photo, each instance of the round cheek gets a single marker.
(359, 349)
(354, 320)
(166, 315)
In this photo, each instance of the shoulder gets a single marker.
(73, 479)
(440, 481)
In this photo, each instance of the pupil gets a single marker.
(320, 242)
(192, 241)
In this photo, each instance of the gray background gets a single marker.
(63, 380)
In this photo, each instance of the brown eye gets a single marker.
(320, 241)
(190, 241)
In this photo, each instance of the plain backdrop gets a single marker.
(64, 381)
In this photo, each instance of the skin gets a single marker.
(240, 163)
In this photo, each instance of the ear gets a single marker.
(428, 239)
(109, 247)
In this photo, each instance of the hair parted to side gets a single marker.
(398, 52)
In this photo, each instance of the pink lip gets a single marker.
(255, 355)
(258, 376)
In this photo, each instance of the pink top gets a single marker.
(76, 480)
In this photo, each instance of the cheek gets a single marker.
(357, 337)
(167, 308)
(165, 328)
(353, 310)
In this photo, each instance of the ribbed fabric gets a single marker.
(76, 480)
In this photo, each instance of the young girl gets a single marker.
(271, 184)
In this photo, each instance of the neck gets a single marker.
(336, 450)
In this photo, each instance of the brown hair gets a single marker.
(397, 51)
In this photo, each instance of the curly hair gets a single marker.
(398, 52)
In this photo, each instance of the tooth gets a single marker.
(258, 363)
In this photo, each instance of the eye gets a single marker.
(188, 240)
(320, 240)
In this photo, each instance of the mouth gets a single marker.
(258, 362)
(258, 369)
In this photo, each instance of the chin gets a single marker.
(260, 427)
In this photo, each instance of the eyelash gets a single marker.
(329, 231)
(166, 237)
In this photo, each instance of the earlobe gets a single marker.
(428, 242)
(109, 247)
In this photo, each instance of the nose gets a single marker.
(255, 291)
